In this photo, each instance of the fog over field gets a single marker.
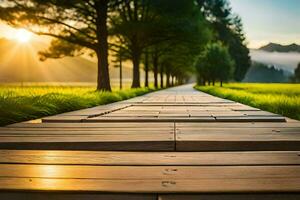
(285, 61)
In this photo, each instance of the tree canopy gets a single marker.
(166, 36)
(214, 64)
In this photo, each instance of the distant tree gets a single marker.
(120, 54)
(228, 29)
(263, 73)
(297, 73)
(75, 26)
(215, 63)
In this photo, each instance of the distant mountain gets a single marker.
(20, 63)
(262, 73)
(273, 47)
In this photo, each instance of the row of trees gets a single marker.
(164, 36)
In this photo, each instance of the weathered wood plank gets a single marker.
(64, 118)
(80, 132)
(196, 138)
(91, 125)
(89, 140)
(247, 196)
(252, 125)
(237, 132)
(19, 195)
(251, 119)
(240, 145)
(150, 158)
(150, 179)
(150, 119)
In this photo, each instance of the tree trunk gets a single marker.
(121, 74)
(213, 82)
(146, 69)
(221, 83)
(168, 79)
(161, 77)
(103, 82)
(155, 69)
(136, 70)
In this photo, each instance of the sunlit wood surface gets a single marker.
(172, 144)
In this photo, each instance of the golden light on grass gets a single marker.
(22, 35)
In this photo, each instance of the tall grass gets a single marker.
(31, 102)
(282, 99)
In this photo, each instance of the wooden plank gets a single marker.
(91, 125)
(197, 138)
(150, 158)
(148, 172)
(251, 119)
(75, 140)
(150, 119)
(252, 125)
(211, 132)
(247, 196)
(154, 179)
(82, 132)
(81, 115)
(237, 145)
(21, 195)
(64, 118)
(85, 129)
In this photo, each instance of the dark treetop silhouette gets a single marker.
(167, 36)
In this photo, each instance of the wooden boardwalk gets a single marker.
(169, 145)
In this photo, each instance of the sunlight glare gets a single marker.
(23, 35)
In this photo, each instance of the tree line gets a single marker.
(172, 38)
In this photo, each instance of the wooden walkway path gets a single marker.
(169, 145)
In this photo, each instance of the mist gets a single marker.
(285, 61)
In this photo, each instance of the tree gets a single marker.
(297, 73)
(146, 64)
(229, 30)
(75, 26)
(215, 63)
(135, 24)
(238, 49)
(119, 53)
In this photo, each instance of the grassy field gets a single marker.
(282, 99)
(30, 102)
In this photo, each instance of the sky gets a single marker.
(269, 20)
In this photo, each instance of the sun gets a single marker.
(23, 35)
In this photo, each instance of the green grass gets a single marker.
(282, 99)
(32, 102)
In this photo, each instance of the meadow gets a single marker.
(21, 103)
(283, 99)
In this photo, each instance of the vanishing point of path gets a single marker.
(173, 144)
